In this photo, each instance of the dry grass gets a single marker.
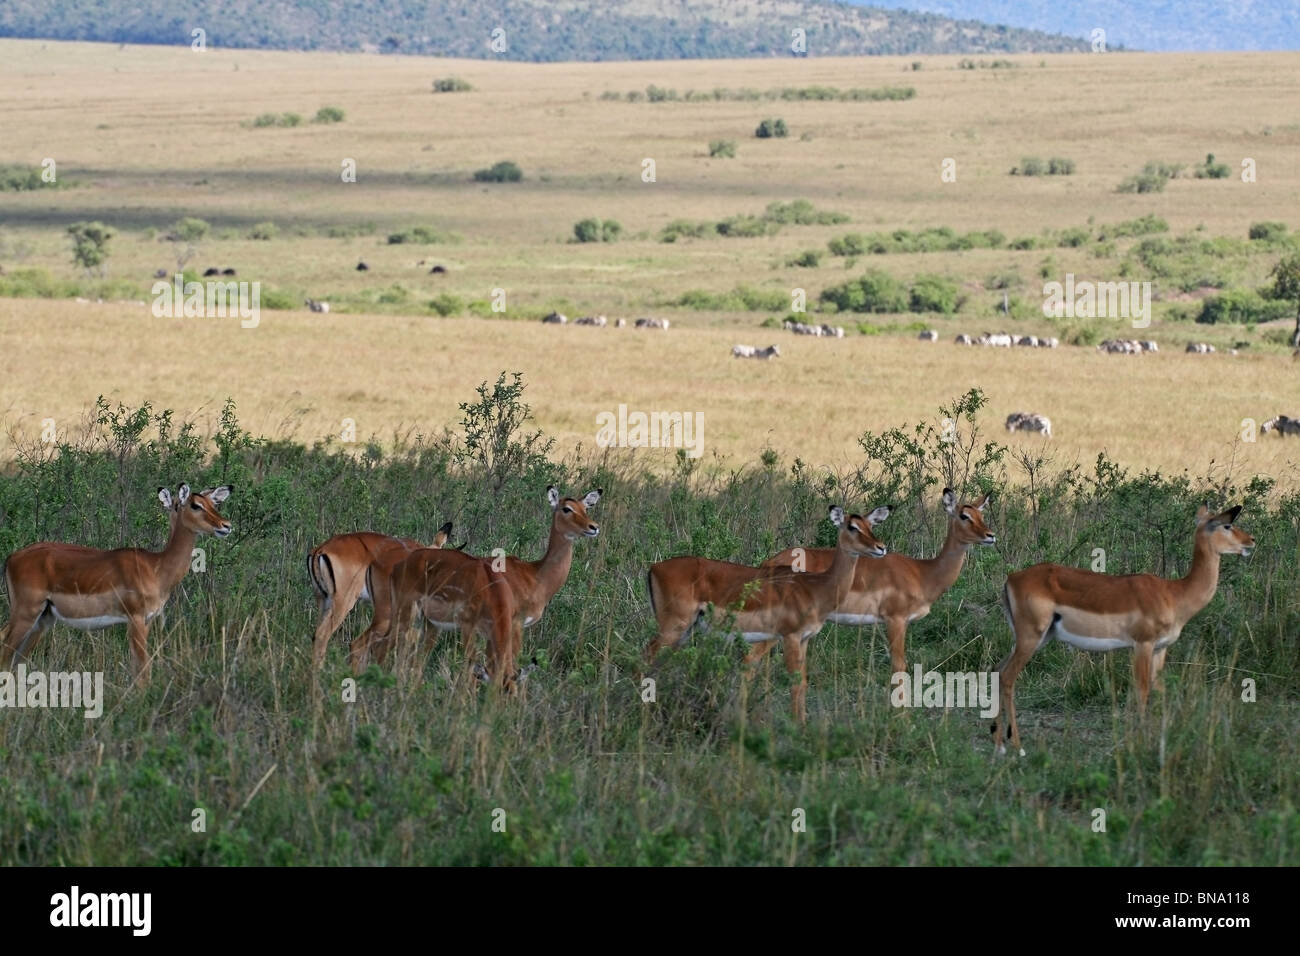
(153, 134)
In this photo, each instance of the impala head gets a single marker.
(1223, 535)
(571, 514)
(967, 519)
(855, 532)
(197, 511)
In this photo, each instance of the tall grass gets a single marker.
(236, 723)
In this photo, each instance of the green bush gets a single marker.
(744, 227)
(659, 94)
(808, 259)
(594, 230)
(279, 300)
(1212, 170)
(800, 212)
(875, 291)
(16, 178)
(502, 172)
(1241, 307)
(1268, 231)
(722, 148)
(685, 228)
(263, 231)
(447, 304)
(932, 293)
(1057, 166)
(770, 128)
(742, 298)
(329, 114)
(419, 236)
(451, 84)
(1032, 166)
(265, 119)
(290, 119)
(1023, 243)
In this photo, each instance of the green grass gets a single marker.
(584, 770)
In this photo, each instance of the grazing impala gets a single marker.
(897, 590)
(1098, 612)
(90, 589)
(769, 604)
(531, 584)
(337, 570)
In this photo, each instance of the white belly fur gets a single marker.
(1086, 643)
(88, 623)
(858, 620)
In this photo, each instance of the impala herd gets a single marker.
(787, 599)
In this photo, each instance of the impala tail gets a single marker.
(321, 573)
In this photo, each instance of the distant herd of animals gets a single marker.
(786, 599)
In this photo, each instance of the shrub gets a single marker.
(744, 227)
(447, 304)
(264, 231)
(451, 84)
(801, 212)
(1143, 183)
(1023, 243)
(1268, 231)
(290, 119)
(1032, 166)
(593, 230)
(610, 230)
(1142, 226)
(932, 293)
(502, 172)
(808, 259)
(742, 298)
(265, 119)
(1073, 238)
(685, 227)
(722, 148)
(875, 291)
(17, 178)
(280, 300)
(1241, 306)
(770, 128)
(1212, 170)
(395, 294)
(418, 235)
(329, 114)
(1056, 166)
(659, 94)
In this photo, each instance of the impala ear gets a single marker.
(1202, 515)
(837, 516)
(1225, 517)
(878, 515)
(218, 495)
(182, 494)
(552, 496)
(165, 497)
(949, 501)
(980, 505)
(591, 498)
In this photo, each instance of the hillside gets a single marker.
(1158, 25)
(534, 31)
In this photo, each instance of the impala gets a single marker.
(450, 589)
(90, 589)
(769, 604)
(337, 570)
(897, 590)
(1098, 612)
(531, 584)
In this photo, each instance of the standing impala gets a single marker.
(90, 589)
(531, 584)
(769, 604)
(897, 590)
(1098, 612)
(337, 570)
(449, 589)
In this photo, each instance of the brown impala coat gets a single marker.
(1099, 612)
(90, 589)
(531, 584)
(897, 589)
(337, 570)
(768, 604)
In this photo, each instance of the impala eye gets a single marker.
(965, 516)
(568, 510)
(195, 506)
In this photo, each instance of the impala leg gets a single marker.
(26, 626)
(333, 610)
(673, 629)
(1142, 655)
(137, 629)
(796, 662)
(1157, 665)
(896, 627)
(1028, 640)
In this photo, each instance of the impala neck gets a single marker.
(839, 575)
(1202, 578)
(553, 568)
(174, 558)
(942, 570)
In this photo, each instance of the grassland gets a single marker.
(236, 723)
(171, 136)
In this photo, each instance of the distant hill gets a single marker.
(1142, 24)
(536, 30)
